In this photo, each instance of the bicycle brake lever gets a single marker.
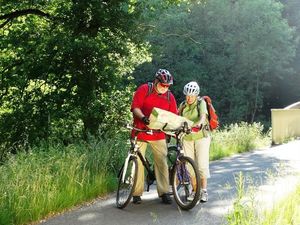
(150, 132)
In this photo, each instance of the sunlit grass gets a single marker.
(51, 178)
(285, 212)
(238, 138)
(246, 211)
(43, 182)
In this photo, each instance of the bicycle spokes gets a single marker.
(127, 182)
(185, 183)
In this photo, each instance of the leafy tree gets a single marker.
(64, 66)
(234, 49)
(289, 88)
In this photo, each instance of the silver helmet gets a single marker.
(191, 88)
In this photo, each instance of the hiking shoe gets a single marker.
(136, 200)
(203, 196)
(166, 199)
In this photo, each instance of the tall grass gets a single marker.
(50, 179)
(248, 212)
(238, 138)
(286, 212)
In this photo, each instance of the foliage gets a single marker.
(53, 177)
(241, 208)
(64, 66)
(286, 211)
(238, 138)
(236, 50)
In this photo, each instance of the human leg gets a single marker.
(139, 188)
(202, 157)
(189, 151)
(159, 149)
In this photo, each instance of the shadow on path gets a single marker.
(260, 166)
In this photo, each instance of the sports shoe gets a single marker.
(191, 197)
(166, 199)
(136, 200)
(203, 196)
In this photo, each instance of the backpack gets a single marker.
(150, 89)
(212, 116)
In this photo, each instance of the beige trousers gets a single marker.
(159, 150)
(199, 151)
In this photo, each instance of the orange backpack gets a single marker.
(212, 116)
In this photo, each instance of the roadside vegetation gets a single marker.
(238, 138)
(248, 212)
(68, 70)
(52, 177)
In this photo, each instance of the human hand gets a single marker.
(146, 120)
(197, 128)
(168, 138)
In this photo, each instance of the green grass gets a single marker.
(247, 212)
(238, 138)
(52, 178)
(286, 212)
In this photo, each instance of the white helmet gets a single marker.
(191, 88)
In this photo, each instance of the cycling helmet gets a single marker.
(164, 76)
(191, 88)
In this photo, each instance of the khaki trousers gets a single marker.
(199, 151)
(159, 150)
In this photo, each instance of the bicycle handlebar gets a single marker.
(148, 131)
(184, 129)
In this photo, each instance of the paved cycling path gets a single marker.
(274, 171)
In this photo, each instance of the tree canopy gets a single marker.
(68, 68)
(236, 50)
(64, 65)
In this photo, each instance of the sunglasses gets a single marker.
(164, 85)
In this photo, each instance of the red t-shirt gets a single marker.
(146, 103)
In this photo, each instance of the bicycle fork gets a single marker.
(126, 165)
(182, 174)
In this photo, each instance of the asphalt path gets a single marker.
(273, 172)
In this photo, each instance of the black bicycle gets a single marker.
(184, 175)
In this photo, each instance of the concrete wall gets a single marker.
(285, 124)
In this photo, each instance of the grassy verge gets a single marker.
(238, 138)
(51, 178)
(285, 212)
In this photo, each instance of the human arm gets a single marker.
(203, 115)
(137, 112)
(173, 104)
(138, 104)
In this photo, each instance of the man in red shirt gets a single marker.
(144, 100)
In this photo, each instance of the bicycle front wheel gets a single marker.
(185, 181)
(127, 182)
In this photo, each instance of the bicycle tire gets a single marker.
(126, 187)
(183, 173)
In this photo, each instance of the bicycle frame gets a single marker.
(135, 152)
(182, 172)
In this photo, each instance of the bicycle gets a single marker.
(184, 175)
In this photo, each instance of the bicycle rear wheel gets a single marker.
(127, 182)
(185, 181)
